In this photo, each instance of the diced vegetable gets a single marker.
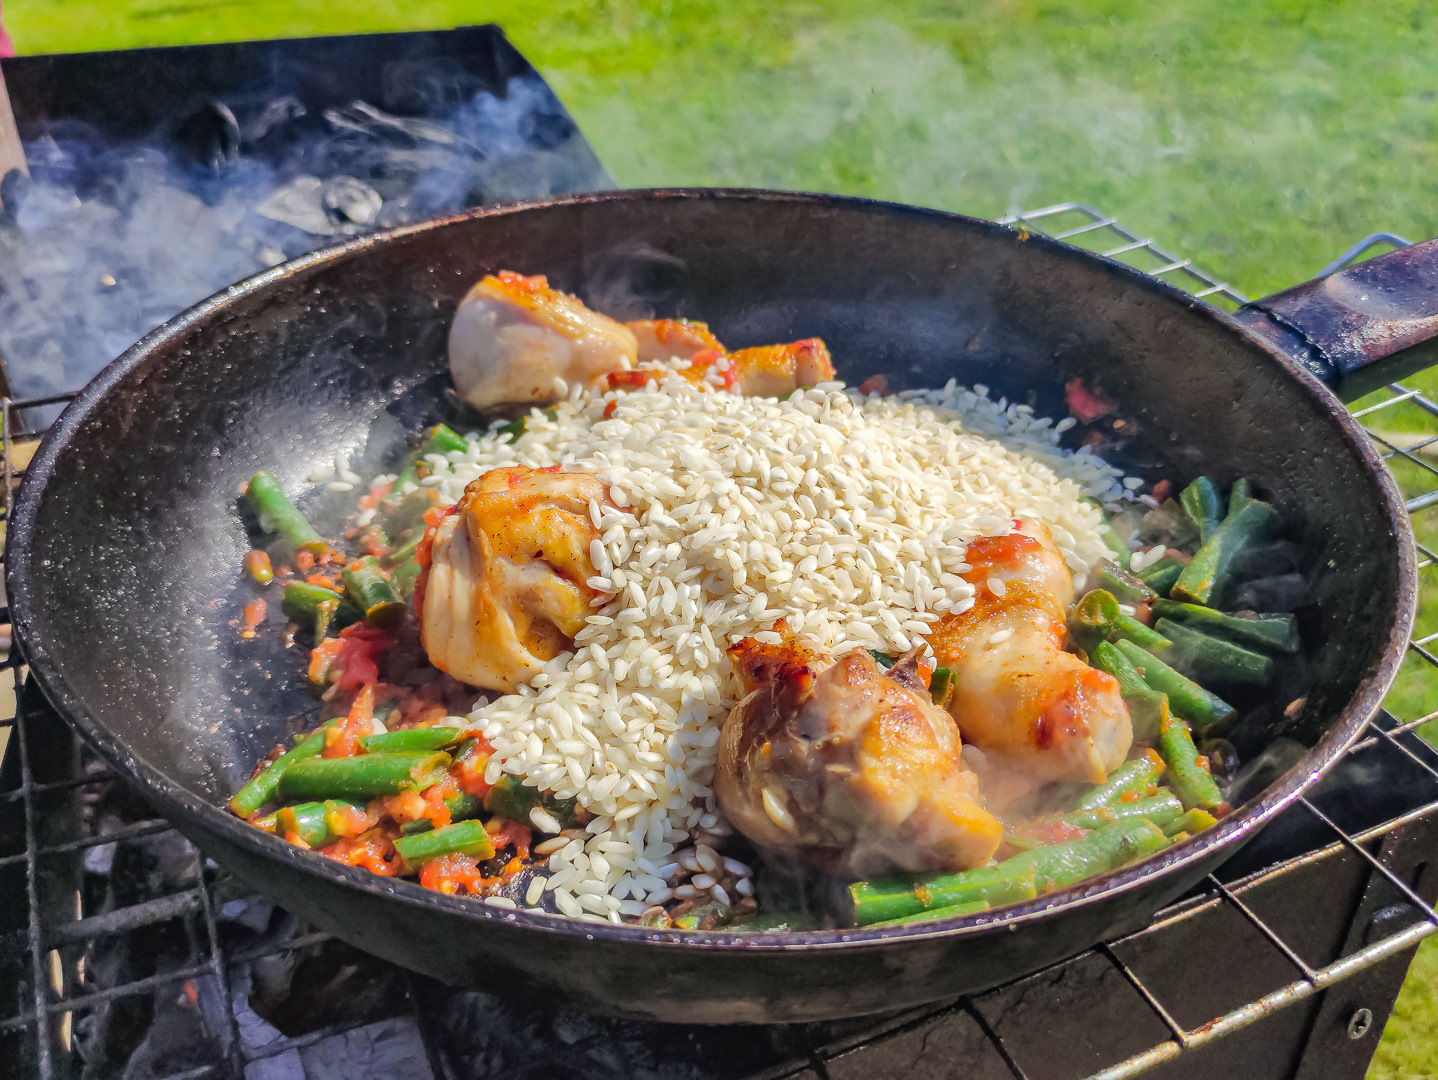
(1195, 821)
(951, 912)
(1102, 850)
(1276, 632)
(262, 788)
(894, 898)
(371, 590)
(1093, 618)
(1161, 575)
(1208, 660)
(1138, 774)
(278, 515)
(1202, 708)
(1143, 701)
(365, 776)
(1188, 773)
(462, 838)
(1123, 585)
(1127, 628)
(1162, 809)
(941, 686)
(509, 798)
(300, 601)
(1205, 577)
(413, 740)
(1204, 506)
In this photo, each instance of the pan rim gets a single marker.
(171, 796)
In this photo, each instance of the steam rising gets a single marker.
(103, 243)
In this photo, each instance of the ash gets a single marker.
(101, 243)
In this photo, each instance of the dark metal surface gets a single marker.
(342, 351)
(1361, 327)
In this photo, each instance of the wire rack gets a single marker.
(44, 957)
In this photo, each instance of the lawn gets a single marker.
(1257, 138)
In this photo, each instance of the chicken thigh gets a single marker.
(506, 586)
(848, 767)
(1017, 693)
(512, 335)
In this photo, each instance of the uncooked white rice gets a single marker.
(845, 515)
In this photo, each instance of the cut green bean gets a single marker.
(405, 552)
(1201, 708)
(278, 515)
(953, 911)
(1276, 632)
(372, 591)
(1093, 618)
(314, 822)
(1138, 774)
(1162, 809)
(1204, 506)
(463, 806)
(1188, 773)
(300, 601)
(509, 798)
(406, 576)
(262, 788)
(1209, 660)
(325, 613)
(884, 660)
(1195, 821)
(1127, 628)
(440, 439)
(413, 740)
(365, 776)
(893, 898)
(1239, 494)
(941, 686)
(1161, 575)
(1125, 586)
(1143, 701)
(1206, 576)
(461, 838)
(1102, 850)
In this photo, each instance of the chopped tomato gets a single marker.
(629, 380)
(502, 831)
(376, 493)
(356, 663)
(451, 873)
(609, 409)
(874, 384)
(346, 820)
(468, 771)
(342, 739)
(1162, 490)
(304, 561)
(254, 615)
(371, 850)
(322, 659)
(257, 565)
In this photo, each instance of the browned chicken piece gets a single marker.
(512, 335)
(852, 769)
(776, 370)
(506, 586)
(1017, 693)
(668, 339)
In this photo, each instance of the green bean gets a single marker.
(313, 822)
(300, 601)
(1093, 618)
(1125, 586)
(1276, 632)
(278, 515)
(1114, 542)
(1209, 660)
(1206, 576)
(1162, 809)
(509, 798)
(941, 686)
(463, 806)
(1138, 774)
(1102, 850)
(1239, 494)
(405, 552)
(461, 838)
(365, 776)
(372, 591)
(266, 823)
(884, 660)
(1200, 707)
(440, 439)
(1204, 506)
(261, 789)
(1143, 701)
(1188, 773)
(1195, 821)
(1127, 628)
(413, 740)
(1161, 575)
(325, 612)
(953, 911)
(893, 898)
(406, 576)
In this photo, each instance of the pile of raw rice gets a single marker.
(846, 516)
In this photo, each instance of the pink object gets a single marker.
(7, 47)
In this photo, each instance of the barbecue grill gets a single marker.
(127, 951)
(124, 951)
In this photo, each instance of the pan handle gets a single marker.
(1360, 328)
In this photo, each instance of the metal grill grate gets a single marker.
(48, 819)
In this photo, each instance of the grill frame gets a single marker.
(45, 1018)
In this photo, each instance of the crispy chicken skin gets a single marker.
(1024, 698)
(846, 766)
(513, 334)
(505, 590)
(667, 339)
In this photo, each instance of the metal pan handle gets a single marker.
(1361, 327)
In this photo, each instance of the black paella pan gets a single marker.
(124, 541)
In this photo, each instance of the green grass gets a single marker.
(1257, 138)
